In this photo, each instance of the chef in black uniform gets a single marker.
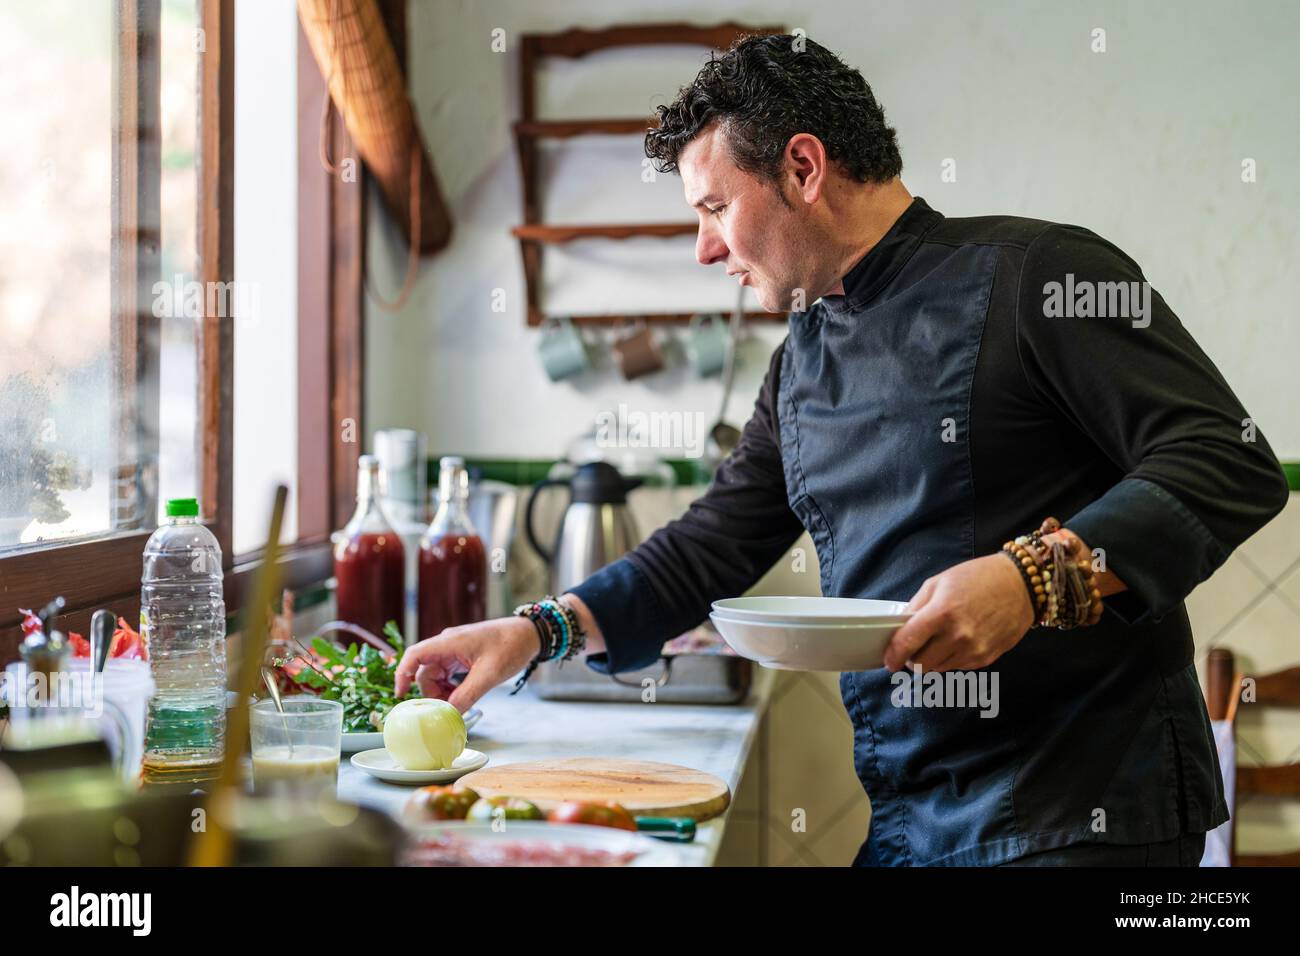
(946, 385)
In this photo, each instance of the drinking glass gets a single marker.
(296, 754)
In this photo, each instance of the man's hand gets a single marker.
(490, 651)
(965, 618)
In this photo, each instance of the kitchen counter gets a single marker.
(716, 739)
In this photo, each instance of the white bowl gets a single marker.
(812, 610)
(794, 646)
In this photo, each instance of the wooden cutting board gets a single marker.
(644, 788)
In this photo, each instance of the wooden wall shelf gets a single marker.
(533, 234)
(563, 129)
(561, 234)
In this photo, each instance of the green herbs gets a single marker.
(360, 679)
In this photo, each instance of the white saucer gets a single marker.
(380, 763)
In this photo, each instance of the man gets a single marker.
(946, 386)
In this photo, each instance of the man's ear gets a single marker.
(805, 158)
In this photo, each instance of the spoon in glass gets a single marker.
(268, 678)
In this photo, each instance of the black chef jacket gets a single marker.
(976, 376)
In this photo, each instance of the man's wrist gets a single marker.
(560, 634)
(586, 621)
(1062, 581)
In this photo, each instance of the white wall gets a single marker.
(1142, 143)
(266, 266)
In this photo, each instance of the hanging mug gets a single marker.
(706, 344)
(561, 349)
(636, 352)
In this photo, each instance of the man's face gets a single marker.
(744, 225)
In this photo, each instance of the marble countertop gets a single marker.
(712, 738)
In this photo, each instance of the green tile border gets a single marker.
(310, 597)
(526, 472)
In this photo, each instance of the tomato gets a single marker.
(127, 643)
(443, 803)
(606, 814)
(485, 810)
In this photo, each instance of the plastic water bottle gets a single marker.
(183, 623)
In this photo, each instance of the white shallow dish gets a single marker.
(357, 742)
(794, 646)
(812, 610)
(649, 851)
(379, 763)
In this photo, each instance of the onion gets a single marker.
(424, 734)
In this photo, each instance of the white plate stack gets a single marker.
(809, 633)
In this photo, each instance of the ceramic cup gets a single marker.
(562, 350)
(706, 344)
(636, 352)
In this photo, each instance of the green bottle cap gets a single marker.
(182, 507)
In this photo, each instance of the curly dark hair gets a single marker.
(766, 89)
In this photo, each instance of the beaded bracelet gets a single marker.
(1062, 590)
(1036, 579)
(559, 635)
(1079, 597)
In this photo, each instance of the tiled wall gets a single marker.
(1252, 607)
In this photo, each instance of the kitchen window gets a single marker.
(136, 313)
(97, 392)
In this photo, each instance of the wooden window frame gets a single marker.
(105, 571)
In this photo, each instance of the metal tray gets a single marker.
(678, 679)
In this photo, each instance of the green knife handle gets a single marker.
(676, 829)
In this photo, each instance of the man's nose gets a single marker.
(709, 247)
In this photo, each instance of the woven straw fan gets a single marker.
(366, 86)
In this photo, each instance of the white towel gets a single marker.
(1218, 842)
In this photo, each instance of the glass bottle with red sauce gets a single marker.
(369, 563)
(453, 561)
